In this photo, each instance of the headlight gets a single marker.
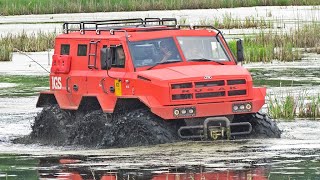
(176, 112)
(235, 108)
(242, 107)
(248, 106)
(184, 111)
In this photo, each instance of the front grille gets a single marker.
(181, 86)
(209, 83)
(236, 81)
(209, 89)
(210, 94)
(237, 92)
(181, 96)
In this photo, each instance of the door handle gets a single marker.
(67, 85)
(102, 86)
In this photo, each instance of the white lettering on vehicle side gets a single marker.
(56, 82)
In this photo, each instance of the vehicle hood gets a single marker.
(194, 72)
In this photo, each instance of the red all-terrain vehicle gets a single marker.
(147, 81)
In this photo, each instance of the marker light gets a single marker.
(176, 112)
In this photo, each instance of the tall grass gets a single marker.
(267, 46)
(17, 7)
(283, 107)
(288, 106)
(28, 43)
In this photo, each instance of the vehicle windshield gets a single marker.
(155, 51)
(202, 48)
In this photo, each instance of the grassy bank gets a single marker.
(27, 43)
(24, 85)
(9, 7)
(267, 46)
(290, 107)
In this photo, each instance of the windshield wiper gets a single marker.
(206, 60)
(165, 62)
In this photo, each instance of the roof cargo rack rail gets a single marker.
(98, 26)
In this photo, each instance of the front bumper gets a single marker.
(214, 108)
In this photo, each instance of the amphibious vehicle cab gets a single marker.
(146, 81)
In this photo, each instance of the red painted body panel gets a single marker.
(152, 87)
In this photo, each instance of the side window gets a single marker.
(119, 58)
(82, 50)
(65, 49)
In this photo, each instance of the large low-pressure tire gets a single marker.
(137, 128)
(262, 125)
(51, 125)
(90, 128)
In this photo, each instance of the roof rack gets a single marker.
(117, 24)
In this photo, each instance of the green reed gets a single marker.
(28, 43)
(17, 7)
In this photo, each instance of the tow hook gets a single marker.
(219, 133)
(215, 133)
(214, 128)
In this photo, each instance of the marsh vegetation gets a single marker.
(282, 46)
(27, 43)
(260, 47)
(227, 21)
(288, 106)
(9, 7)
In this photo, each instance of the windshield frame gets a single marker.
(218, 41)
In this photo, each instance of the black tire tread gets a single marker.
(262, 126)
(265, 127)
(51, 125)
(137, 128)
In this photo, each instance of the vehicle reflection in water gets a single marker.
(69, 169)
(93, 167)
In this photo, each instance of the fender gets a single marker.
(72, 102)
(46, 98)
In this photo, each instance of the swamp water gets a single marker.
(295, 156)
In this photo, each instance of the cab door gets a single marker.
(115, 76)
(107, 85)
(103, 81)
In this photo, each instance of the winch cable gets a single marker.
(23, 53)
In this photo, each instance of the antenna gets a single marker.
(21, 52)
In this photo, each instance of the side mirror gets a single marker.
(105, 58)
(240, 54)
